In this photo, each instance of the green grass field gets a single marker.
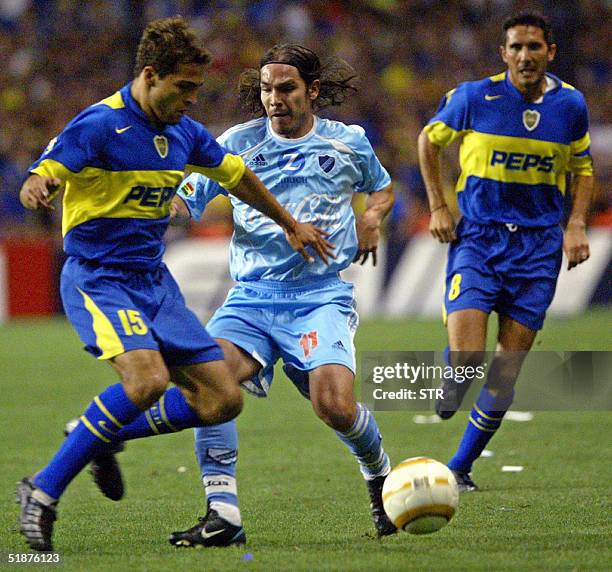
(303, 502)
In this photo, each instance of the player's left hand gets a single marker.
(305, 234)
(368, 235)
(575, 244)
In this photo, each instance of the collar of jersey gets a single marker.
(130, 103)
(516, 93)
(291, 142)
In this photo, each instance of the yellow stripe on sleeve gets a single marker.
(581, 164)
(106, 338)
(52, 168)
(228, 174)
(114, 101)
(581, 144)
(498, 77)
(441, 134)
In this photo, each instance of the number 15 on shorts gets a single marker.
(132, 322)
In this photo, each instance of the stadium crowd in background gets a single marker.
(60, 56)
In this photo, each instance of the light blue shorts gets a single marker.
(308, 324)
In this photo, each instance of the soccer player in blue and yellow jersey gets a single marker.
(283, 308)
(120, 162)
(523, 131)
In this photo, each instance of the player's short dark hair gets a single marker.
(336, 77)
(167, 43)
(528, 19)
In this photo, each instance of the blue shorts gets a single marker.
(115, 310)
(307, 324)
(512, 270)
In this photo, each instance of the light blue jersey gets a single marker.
(313, 177)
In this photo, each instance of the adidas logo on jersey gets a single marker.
(258, 161)
(338, 346)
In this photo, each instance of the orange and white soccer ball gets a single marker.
(420, 495)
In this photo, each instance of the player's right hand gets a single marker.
(38, 191)
(305, 234)
(442, 225)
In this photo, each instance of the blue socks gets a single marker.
(98, 428)
(365, 443)
(485, 418)
(169, 415)
(216, 448)
(110, 418)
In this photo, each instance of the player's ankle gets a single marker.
(227, 511)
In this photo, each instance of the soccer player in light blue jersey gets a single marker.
(283, 307)
(523, 131)
(120, 162)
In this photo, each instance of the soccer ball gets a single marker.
(420, 495)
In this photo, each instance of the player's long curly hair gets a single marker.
(167, 43)
(336, 77)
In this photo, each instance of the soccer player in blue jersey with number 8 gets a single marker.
(120, 162)
(283, 308)
(523, 131)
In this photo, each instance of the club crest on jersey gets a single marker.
(531, 119)
(161, 145)
(326, 163)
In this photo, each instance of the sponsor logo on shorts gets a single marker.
(339, 346)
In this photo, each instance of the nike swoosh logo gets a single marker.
(492, 97)
(206, 535)
(117, 130)
(102, 425)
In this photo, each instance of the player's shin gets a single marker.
(97, 429)
(170, 414)
(485, 419)
(216, 448)
(365, 443)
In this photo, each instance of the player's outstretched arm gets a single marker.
(378, 204)
(442, 224)
(575, 242)
(299, 235)
(39, 191)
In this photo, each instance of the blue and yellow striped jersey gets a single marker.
(120, 174)
(515, 154)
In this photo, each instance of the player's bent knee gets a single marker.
(146, 387)
(224, 409)
(231, 408)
